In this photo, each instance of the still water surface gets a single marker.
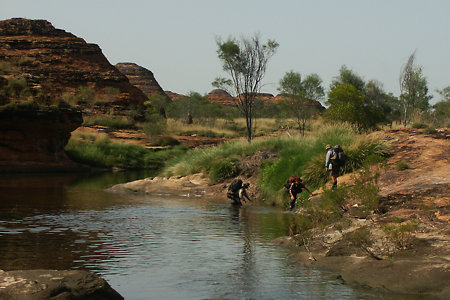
(150, 247)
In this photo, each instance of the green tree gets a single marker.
(441, 110)
(445, 93)
(349, 77)
(155, 123)
(245, 61)
(413, 89)
(385, 105)
(301, 95)
(346, 104)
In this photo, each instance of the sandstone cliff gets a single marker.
(141, 78)
(55, 63)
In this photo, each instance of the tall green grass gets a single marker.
(300, 156)
(101, 152)
(203, 160)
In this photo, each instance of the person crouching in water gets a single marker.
(238, 192)
(331, 167)
(295, 187)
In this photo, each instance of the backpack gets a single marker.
(235, 186)
(290, 181)
(338, 156)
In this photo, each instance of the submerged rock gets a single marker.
(51, 284)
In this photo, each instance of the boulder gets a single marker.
(52, 284)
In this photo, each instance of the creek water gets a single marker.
(155, 247)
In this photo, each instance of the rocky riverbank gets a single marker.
(51, 284)
(402, 246)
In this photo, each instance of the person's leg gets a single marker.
(292, 204)
(334, 177)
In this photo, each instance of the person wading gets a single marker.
(237, 192)
(293, 187)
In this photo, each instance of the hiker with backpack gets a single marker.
(293, 187)
(237, 192)
(334, 160)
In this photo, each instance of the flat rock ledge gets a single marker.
(195, 185)
(420, 276)
(55, 285)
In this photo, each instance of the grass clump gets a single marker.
(223, 169)
(359, 237)
(402, 165)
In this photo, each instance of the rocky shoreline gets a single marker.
(52, 284)
(416, 263)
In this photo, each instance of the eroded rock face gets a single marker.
(57, 63)
(51, 284)
(33, 139)
(141, 78)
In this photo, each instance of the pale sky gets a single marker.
(176, 40)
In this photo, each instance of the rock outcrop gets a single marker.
(33, 138)
(174, 96)
(221, 96)
(280, 97)
(51, 284)
(141, 78)
(57, 63)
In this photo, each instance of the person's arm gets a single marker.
(290, 191)
(244, 193)
(308, 190)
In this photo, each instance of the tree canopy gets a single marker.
(245, 61)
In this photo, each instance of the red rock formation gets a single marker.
(33, 138)
(221, 96)
(58, 63)
(141, 78)
(174, 96)
(281, 97)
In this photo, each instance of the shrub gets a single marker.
(417, 125)
(359, 237)
(365, 188)
(402, 165)
(333, 200)
(400, 234)
(224, 169)
(115, 123)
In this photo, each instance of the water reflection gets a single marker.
(155, 248)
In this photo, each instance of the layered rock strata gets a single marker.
(58, 64)
(141, 78)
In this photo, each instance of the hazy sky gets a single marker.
(176, 40)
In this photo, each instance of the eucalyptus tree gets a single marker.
(300, 96)
(413, 89)
(245, 61)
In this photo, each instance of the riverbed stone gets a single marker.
(52, 284)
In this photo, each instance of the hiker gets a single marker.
(334, 159)
(237, 192)
(293, 187)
